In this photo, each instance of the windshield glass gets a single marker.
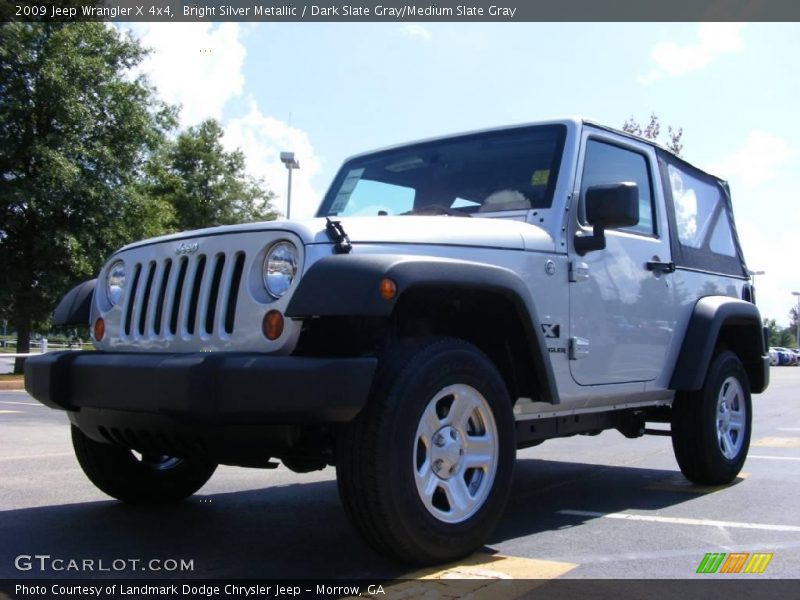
(513, 169)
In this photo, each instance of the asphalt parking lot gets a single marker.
(583, 507)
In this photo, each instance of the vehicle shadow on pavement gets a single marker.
(541, 488)
(293, 531)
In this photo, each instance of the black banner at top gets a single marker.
(399, 10)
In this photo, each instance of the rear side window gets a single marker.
(702, 229)
(608, 164)
(701, 220)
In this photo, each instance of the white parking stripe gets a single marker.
(680, 521)
(35, 456)
(773, 457)
(23, 403)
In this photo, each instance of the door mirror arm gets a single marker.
(590, 243)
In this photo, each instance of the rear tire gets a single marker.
(139, 478)
(711, 427)
(425, 470)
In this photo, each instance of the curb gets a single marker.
(14, 384)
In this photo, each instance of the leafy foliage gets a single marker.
(204, 184)
(784, 337)
(75, 131)
(652, 130)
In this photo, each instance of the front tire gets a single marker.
(711, 427)
(139, 479)
(425, 470)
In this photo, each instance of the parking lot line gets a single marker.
(777, 442)
(35, 456)
(22, 403)
(9, 412)
(480, 576)
(773, 457)
(679, 520)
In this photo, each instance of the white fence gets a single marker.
(6, 366)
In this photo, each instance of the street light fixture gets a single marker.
(291, 163)
(797, 317)
(753, 275)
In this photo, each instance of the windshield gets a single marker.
(513, 169)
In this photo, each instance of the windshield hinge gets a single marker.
(337, 235)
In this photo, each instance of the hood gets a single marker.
(449, 231)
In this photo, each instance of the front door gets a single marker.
(622, 315)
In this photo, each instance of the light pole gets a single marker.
(797, 317)
(753, 275)
(288, 159)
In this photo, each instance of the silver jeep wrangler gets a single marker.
(455, 299)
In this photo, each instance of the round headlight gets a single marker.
(115, 282)
(280, 267)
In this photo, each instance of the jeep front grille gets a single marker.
(184, 297)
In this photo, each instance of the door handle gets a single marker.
(660, 267)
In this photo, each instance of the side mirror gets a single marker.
(607, 207)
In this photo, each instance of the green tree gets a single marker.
(206, 185)
(773, 332)
(652, 131)
(76, 130)
(792, 329)
(787, 338)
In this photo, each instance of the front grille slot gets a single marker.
(151, 272)
(211, 308)
(132, 299)
(162, 294)
(233, 293)
(176, 298)
(187, 296)
(198, 281)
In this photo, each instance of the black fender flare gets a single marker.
(710, 315)
(75, 307)
(348, 285)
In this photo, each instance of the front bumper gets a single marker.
(210, 388)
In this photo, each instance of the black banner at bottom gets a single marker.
(428, 589)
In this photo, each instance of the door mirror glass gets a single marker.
(608, 207)
(612, 206)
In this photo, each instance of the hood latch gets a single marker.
(337, 235)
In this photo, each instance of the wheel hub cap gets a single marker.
(446, 453)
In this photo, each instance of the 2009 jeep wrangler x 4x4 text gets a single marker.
(454, 300)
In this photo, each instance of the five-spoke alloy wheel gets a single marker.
(425, 470)
(711, 427)
(455, 453)
(731, 418)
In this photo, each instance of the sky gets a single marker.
(327, 91)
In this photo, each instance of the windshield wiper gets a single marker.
(437, 209)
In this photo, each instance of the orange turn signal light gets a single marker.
(272, 325)
(388, 289)
(99, 329)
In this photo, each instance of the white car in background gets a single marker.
(774, 357)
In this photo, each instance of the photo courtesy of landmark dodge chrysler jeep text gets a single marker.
(454, 300)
